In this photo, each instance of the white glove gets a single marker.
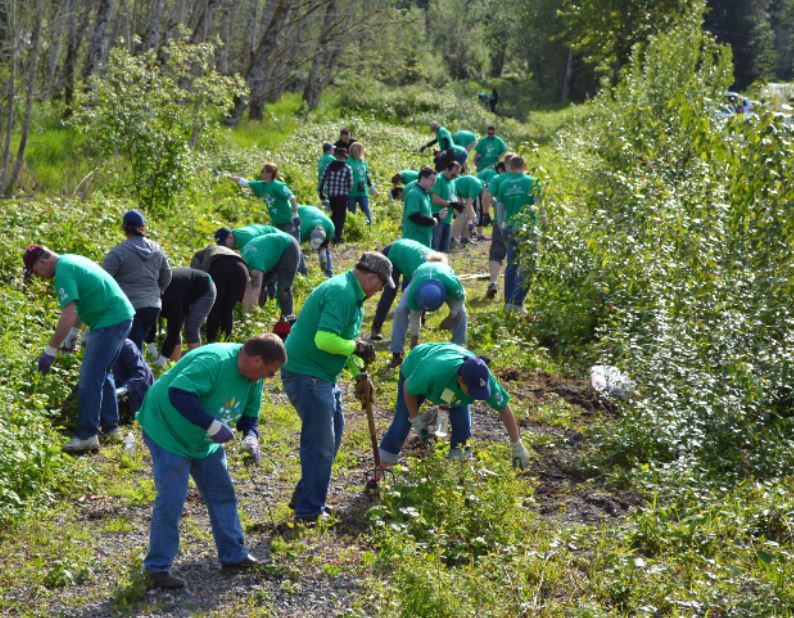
(69, 343)
(421, 427)
(251, 446)
(372, 190)
(520, 454)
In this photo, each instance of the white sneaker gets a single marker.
(114, 435)
(78, 445)
(161, 361)
(456, 454)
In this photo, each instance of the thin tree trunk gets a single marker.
(228, 10)
(250, 36)
(336, 48)
(154, 27)
(12, 33)
(566, 82)
(77, 25)
(313, 87)
(53, 54)
(98, 45)
(177, 18)
(33, 65)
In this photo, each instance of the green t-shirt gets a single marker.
(417, 200)
(464, 138)
(360, 174)
(312, 217)
(431, 369)
(264, 252)
(516, 191)
(211, 373)
(335, 306)
(487, 175)
(277, 197)
(99, 300)
(444, 138)
(322, 164)
(244, 235)
(489, 149)
(445, 189)
(468, 187)
(441, 272)
(493, 186)
(408, 176)
(407, 255)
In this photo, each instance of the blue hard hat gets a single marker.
(431, 295)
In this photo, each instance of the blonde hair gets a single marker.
(357, 148)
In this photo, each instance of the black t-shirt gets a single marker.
(187, 285)
(340, 144)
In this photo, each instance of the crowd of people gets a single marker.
(189, 413)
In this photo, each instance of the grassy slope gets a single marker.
(554, 540)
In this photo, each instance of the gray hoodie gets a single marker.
(141, 269)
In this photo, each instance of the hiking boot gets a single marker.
(396, 360)
(78, 445)
(166, 581)
(249, 562)
(376, 335)
(492, 290)
(456, 454)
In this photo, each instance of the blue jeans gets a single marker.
(143, 321)
(515, 281)
(319, 406)
(363, 202)
(396, 434)
(326, 263)
(400, 324)
(441, 235)
(96, 388)
(212, 478)
(302, 268)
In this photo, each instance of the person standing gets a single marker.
(518, 191)
(230, 274)
(141, 269)
(362, 183)
(87, 294)
(187, 300)
(489, 149)
(405, 256)
(320, 344)
(186, 418)
(444, 199)
(418, 219)
(497, 251)
(272, 258)
(328, 157)
(318, 230)
(336, 183)
(432, 285)
(345, 140)
(446, 374)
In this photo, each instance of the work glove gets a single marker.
(365, 389)
(46, 359)
(122, 391)
(69, 343)
(448, 322)
(365, 351)
(422, 428)
(251, 446)
(219, 433)
(520, 454)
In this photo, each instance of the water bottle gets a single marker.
(442, 423)
(129, 442)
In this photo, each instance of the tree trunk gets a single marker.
(12, 33)
(498, 58)
(566, 82)
(57, 34)
(336, 48)
(77, 23)
(250, 36)
(33, 66)
(177, 18)
(228, 10)
(313, 88)
(98, 44)
(155, 26)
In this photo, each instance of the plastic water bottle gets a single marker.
(129, 442)
(442, 423)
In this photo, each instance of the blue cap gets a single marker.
(132, 218)
(431, 295)
(474, 372)
(221, 235)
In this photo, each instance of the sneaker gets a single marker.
(456, 454)
(165, 580)
(312, 520)
(78, 445)
(465, 241)
(151, 350)
(249, 562)
(114, 435)
(376, 335)
(519, 309)
(161, 361)
(396, 360)
(492, 290)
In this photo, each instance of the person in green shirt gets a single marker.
(404, 177)
(282, 206)
(468, 190)
(362, 183)
(328, 157)
(443, 138)
(517, 191)
(87, 294)
(432, 285)
(322, 342)
(318, 230)
(497, 251)
(406, 256)
(273, 257)
(418, 220)
(489, 149)
(240, 237)
(445, 204)
(186, 418)
(466, 139)
(447, 375)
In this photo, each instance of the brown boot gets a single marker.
(396, 360)
(165, 580)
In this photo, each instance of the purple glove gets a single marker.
(219, 433)
(251, 446)
(45, 361)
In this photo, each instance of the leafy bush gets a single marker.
(151, 110)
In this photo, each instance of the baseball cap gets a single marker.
(474, 372)
(221, 234)
(374, 262)
(431, 294)
(316, 237)
(32, 254)
(132, 218)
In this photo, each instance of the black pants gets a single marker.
(388, 295)
(145, 318)
(338, 215)
(230, 276)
